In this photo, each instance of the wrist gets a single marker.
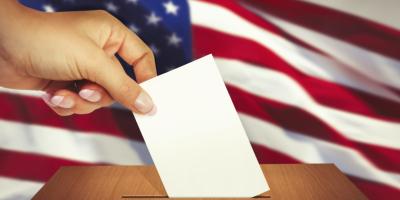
(15, 21)
(11, 11)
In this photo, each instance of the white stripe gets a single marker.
(385, 12)
(15, 189)
(74, 145)
(280, 87)
(309, 62)
(310, 150)
(371, 64)
(34, 93)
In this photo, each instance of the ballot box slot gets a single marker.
(166, 197)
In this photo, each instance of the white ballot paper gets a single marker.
(196, 139)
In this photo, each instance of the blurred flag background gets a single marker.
(313, 82)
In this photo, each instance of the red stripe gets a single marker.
(374, 190)
(269, 156)
(255, 19)
(350, 28)
(33, 110)
(301, 121)
(371, 189)
(31, 166)
(208, 41)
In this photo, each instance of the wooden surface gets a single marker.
(287, 181)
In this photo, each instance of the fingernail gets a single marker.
(90, 95)
(46, 99)
(153, 110)
(144, 103)
(63, 102)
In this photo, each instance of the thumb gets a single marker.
(109, 73)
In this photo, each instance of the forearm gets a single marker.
(14, 20)
(15, 17)
(10, 12)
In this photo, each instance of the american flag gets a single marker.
(313, 82)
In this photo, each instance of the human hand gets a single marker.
(71, 56)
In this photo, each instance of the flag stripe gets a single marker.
(311, 150)
(72, 145)
(347, 53)
(309, 62)
(350, 28)
(371, 189)
(266, 155)
(232, 5)
(327, 93)
(370, 10)
(24, 108)
(12, 189)
(279, 87)
(295, 119)
(33, 93)
(14, 165)
(375, 191)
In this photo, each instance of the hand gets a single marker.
(71, 56)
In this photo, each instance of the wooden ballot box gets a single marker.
(287, 181)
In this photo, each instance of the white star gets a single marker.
(171, 8)
(48, 8)
(154, 49)
(174, 40)
(153, 19)
(110, 6)
(135, 2)
(134, 28)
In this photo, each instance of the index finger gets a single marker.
(136, 53)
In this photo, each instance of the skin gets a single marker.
(66, 52)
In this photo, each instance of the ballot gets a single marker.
(195, 138)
